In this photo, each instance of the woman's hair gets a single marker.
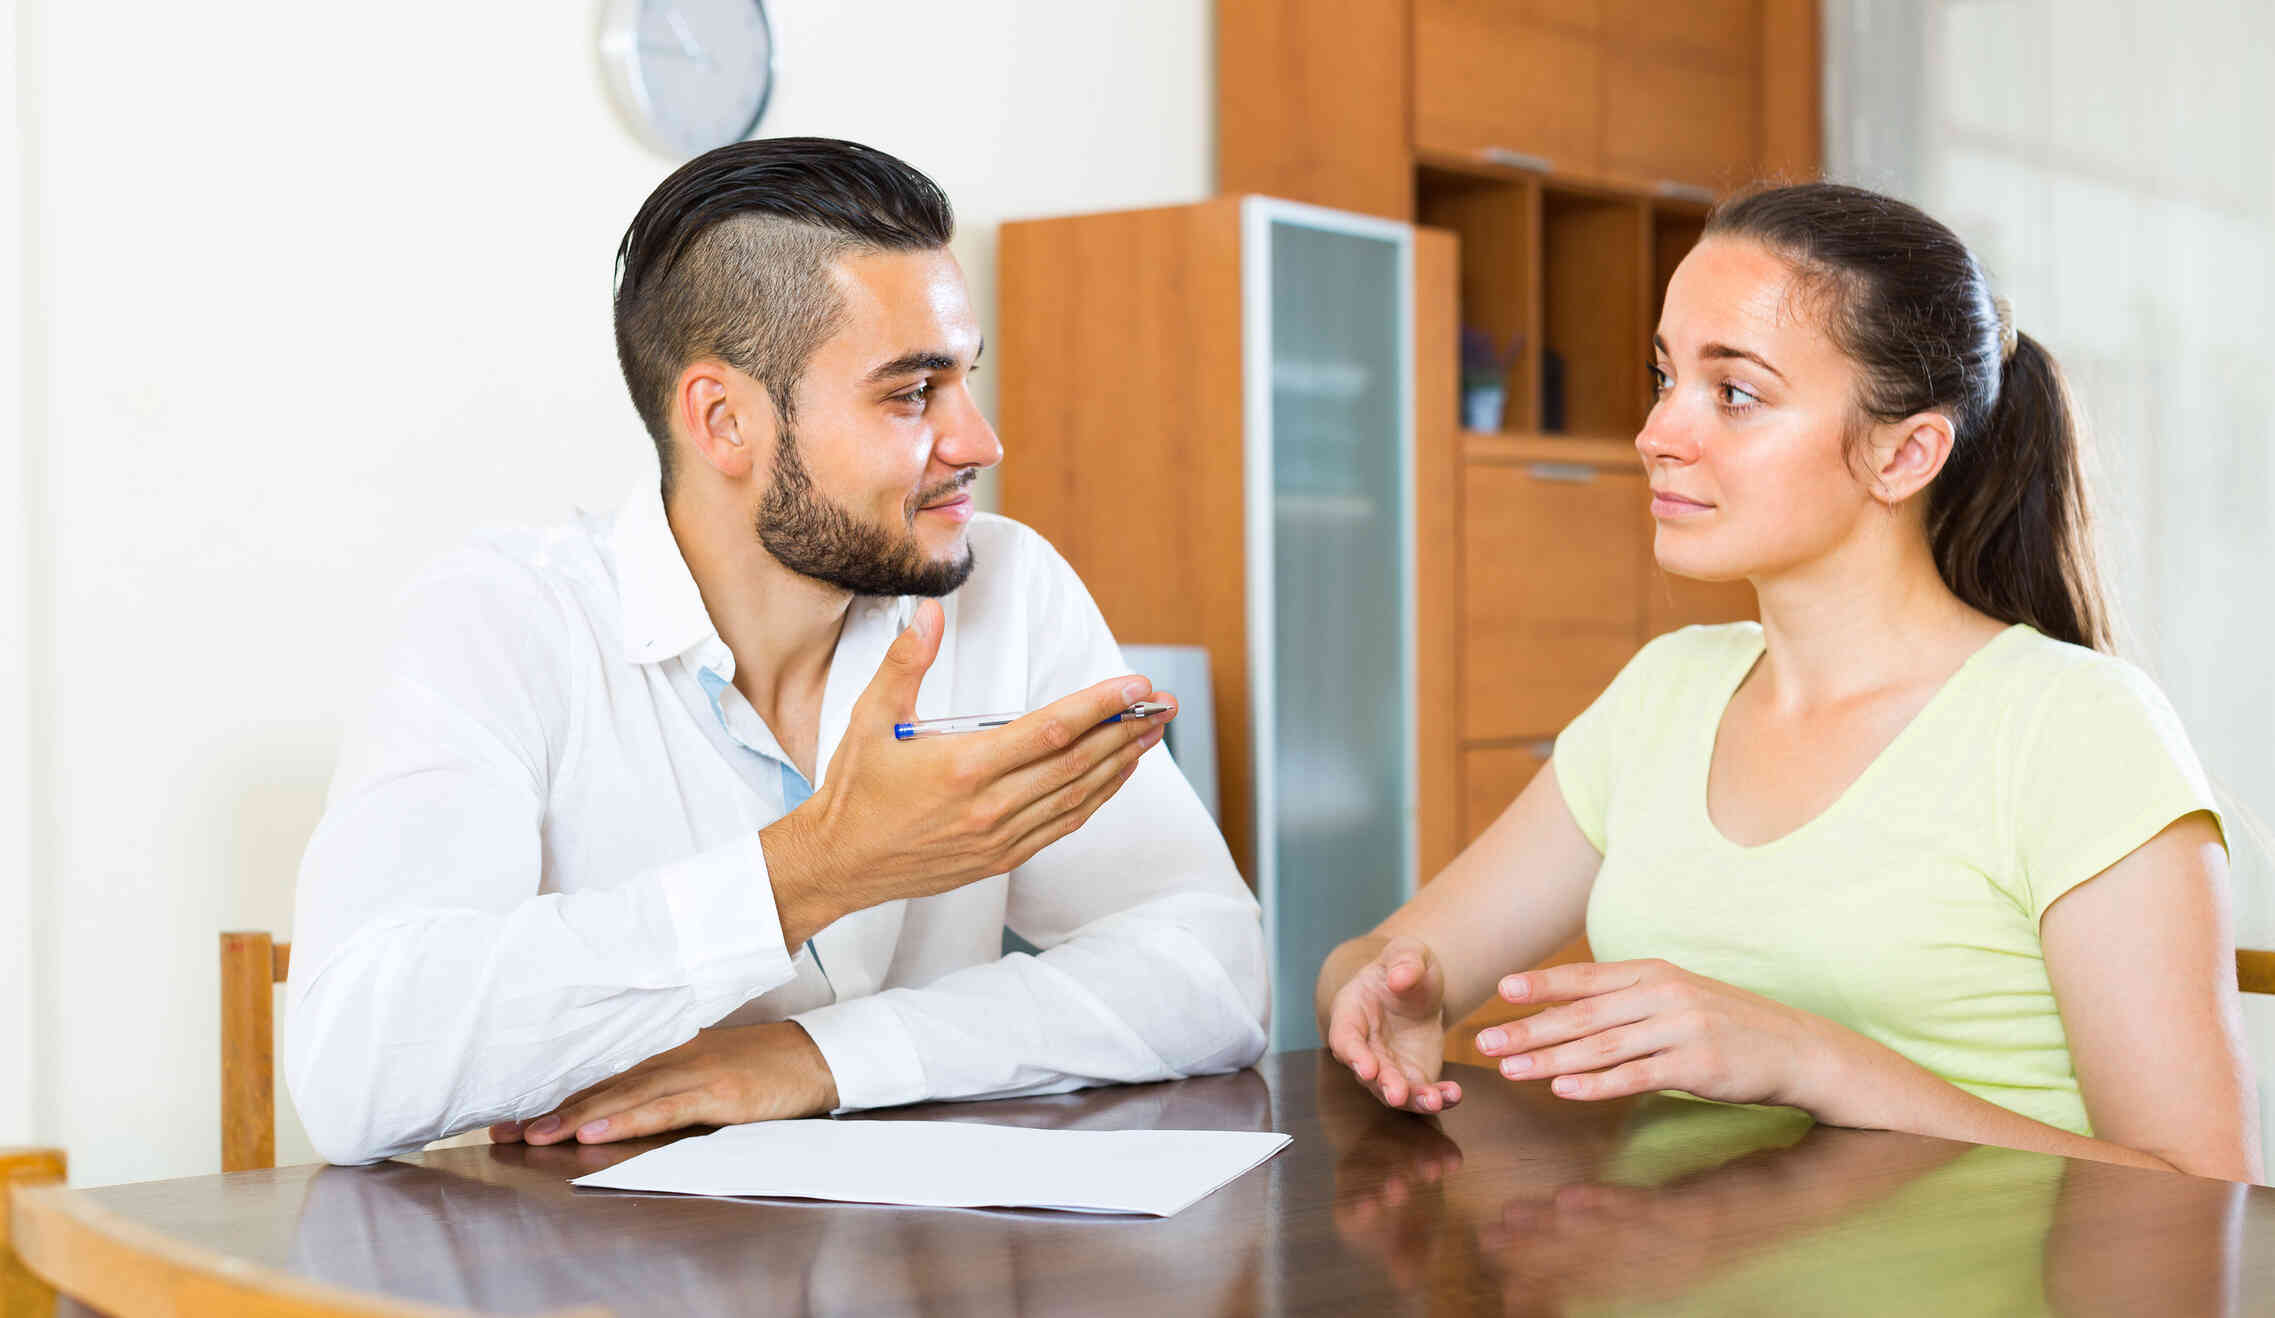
(2007, 517)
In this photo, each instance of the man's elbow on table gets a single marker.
(336, 1086)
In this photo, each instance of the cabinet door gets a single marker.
(1671, 115)
(1310, 104)
(1492, 776)
(1336, 710)
(1552, 573)
(1496, 73)
(1670, 602)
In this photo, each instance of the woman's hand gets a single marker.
(1388, 1024)
(1634, 1027)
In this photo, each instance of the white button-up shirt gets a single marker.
(539, 863)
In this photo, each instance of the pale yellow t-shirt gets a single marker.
(1908, 910)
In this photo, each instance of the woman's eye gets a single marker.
(1659, 380)
(1735, 395)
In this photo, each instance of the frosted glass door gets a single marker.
(1340, 728)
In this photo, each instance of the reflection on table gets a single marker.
(1514, 1202)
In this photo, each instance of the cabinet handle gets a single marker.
(1571, 473)
(1501, 155)
(1681, 191)
(1544, 747)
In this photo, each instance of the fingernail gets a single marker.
(1565, 1084)
(593, 1130)
(545, 1126)
(1136, 689)
(509, 1130)
(1492, 1039)
(1513, 987)
(1513, 1066)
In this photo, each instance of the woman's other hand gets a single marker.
(1388, 1024)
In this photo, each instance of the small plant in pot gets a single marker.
(1485, 378)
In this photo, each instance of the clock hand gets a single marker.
(688, 45)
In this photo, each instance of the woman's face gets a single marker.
(1745, 444)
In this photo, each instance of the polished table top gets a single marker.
(1515, 1201)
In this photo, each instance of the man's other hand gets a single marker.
(721, 1077)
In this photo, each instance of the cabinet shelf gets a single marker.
(1519, 448)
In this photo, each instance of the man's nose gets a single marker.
(967, 440)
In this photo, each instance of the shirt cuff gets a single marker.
(871, 1054)
(724, 918)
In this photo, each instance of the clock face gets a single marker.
(692, 74)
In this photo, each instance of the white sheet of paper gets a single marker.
(950, 1164)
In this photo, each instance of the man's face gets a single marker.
(871, 483)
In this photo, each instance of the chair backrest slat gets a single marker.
(252, 964)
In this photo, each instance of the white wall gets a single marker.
(320, 289)
(2109, 161)
(17, 919)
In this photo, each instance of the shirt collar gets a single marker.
(662, 610)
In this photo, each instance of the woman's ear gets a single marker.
(1908, 454)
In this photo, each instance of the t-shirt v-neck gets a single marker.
(1921, 723)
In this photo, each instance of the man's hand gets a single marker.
(720, 1077)
(1388, 1024)
(898, 819)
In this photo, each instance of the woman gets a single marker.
(1914, 852)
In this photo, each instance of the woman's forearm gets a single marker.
(1875, 1087)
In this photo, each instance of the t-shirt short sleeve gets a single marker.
(1582, 760)
(2105, 768)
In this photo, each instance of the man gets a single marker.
(627, 841)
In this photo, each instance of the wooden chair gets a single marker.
(57, 1242)
(252, 965)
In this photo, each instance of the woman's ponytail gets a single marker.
(2007, 517)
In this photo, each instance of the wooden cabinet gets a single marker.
(1317, 110)
(1336, 104)
(1551, 566)
(1213, 412)
(1698, 95)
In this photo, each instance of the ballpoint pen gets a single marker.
(941, 727)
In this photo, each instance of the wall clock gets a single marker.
(689, 74)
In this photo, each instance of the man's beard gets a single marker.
(814, 537)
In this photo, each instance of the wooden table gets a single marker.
(1515, 1201)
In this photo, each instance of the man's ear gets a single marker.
(725, 418)
(1908, 454)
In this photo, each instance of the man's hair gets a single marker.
(730, 257)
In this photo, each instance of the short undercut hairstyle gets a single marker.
(730, 258)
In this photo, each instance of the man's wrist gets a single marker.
(821, 1091)
(805, 893)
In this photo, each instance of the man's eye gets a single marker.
(915, 396)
